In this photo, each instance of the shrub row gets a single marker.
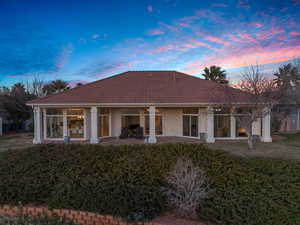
(126, 181)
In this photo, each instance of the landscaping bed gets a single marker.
(127, 181)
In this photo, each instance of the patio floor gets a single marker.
(160, 140)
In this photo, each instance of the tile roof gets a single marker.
(146, 87)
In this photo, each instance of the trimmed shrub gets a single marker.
(127, 181)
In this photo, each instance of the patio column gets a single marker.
(94, 125)
(37, 125)
(210, 125)
(266, 126)
(152, 138)
(1, 126)
(232, 126)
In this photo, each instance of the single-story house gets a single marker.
(161, 103)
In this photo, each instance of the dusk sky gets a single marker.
(89, 40)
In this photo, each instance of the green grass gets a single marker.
(292, 139)
(284, 146)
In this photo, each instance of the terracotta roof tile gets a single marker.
(145, 87)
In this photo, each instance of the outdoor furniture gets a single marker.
(139, 133)
(124, 133)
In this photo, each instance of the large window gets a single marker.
(222, 122)
(58, 119)
(103, 122)
(54, 123)
(190, 122)
(75, 121)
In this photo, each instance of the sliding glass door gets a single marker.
(190, 122)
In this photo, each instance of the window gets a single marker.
(54, 126)
(103, 122)
(75, 123)
(240, 129)
(190, 122)
(222, 122)
(54, 123)
(71, 119)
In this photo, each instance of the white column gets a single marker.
(298, 119)
(37, 125)
(94, 125)
(85, 113)
(1, 126)
(266, 126)
(152, 138)
(142, 120)
(210, 125)
(65, 124)
(45, 123)
(232, 126)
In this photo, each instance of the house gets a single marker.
(163, 103)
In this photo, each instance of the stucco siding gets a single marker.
(172, 122)
(115, 122)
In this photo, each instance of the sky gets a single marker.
(87, 40)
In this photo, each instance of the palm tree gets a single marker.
(287, 76)
(56, 86)
(216, 74)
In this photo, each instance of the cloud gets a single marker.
(216, 40)
(243, 4)
(64, 56)
(248, 37)
(155, 32)
(95, 36)
(296, 2)
(257, 24)
(295, 33)
(150, 8)
(247, 56)
(222, 5)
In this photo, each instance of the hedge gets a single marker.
(127, 181)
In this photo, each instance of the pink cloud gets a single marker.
(295, 33)
(266, 34)
(156, 32)
(248, 37)
(216, 40)
(219, 5)
(195, 44)
(249, 56)
(257, 24)
(164, 48)
(281, 38)
(64, 56)
(150, 8)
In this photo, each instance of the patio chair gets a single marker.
(124, 133)
(139, 133)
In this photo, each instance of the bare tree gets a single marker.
(188, 187)
(256, 92)
(36, 87)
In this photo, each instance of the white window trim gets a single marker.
(65, 125)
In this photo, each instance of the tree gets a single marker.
(36, 87)
(258, 91)
(14, 103)
(55, 86)
(216, 74)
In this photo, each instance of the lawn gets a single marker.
(127, 181)
(15, 141)
(284, 146)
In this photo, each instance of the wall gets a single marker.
(80, 217)
(172, 122)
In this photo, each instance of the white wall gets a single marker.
(256, 127)
(115, 122)
(172, 122)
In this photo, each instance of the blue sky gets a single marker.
(88, 40)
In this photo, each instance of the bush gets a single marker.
(42, 219)
(126, 181)
(187, 187)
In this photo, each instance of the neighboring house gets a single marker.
(290, 120)
(163, 103)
